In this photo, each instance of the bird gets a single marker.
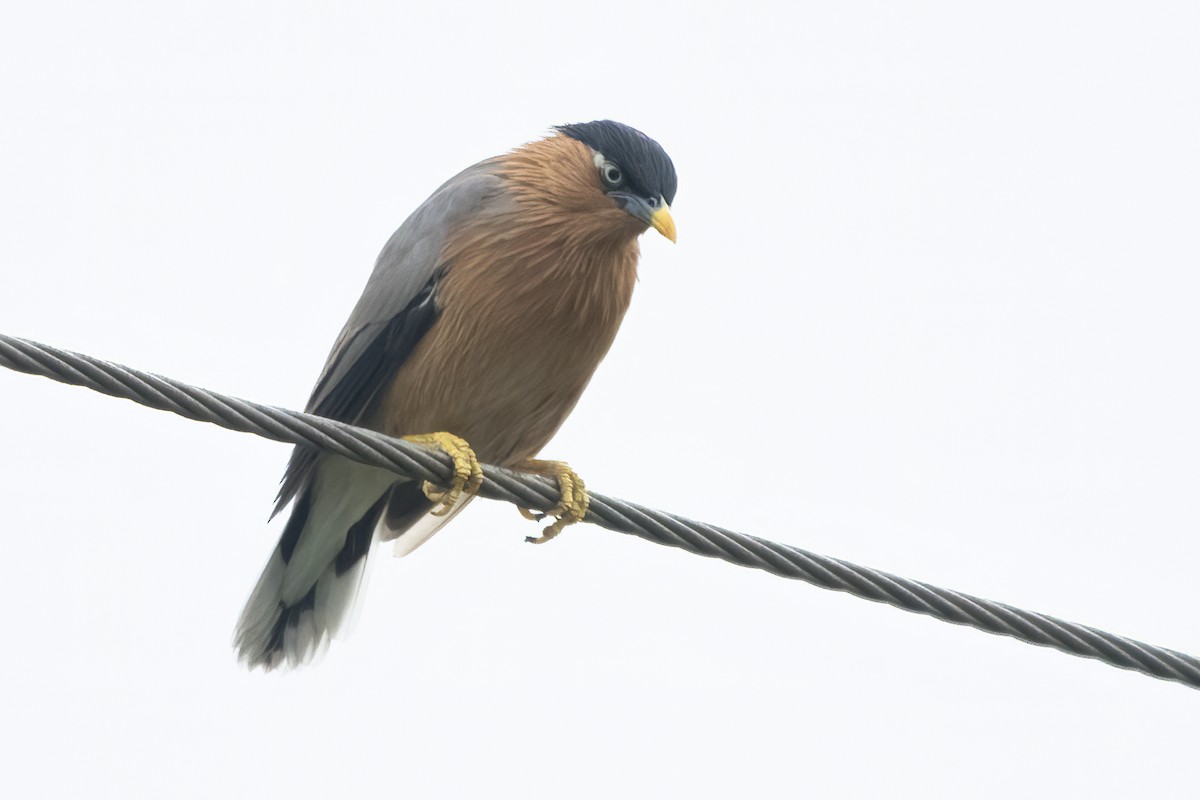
(485, 316)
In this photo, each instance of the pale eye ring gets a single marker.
(611, 173)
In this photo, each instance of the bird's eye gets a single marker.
(611, 174)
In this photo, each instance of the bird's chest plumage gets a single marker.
(523, 324)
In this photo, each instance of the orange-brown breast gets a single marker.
(533, 294)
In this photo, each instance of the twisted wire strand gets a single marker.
(531, 491)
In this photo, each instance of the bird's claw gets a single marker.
(573, 498)
(468, 476)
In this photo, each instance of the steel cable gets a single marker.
(530, 491)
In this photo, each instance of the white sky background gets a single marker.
(942, 260)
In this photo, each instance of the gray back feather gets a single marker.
(397, 306)
(407, 263)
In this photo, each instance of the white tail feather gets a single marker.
(306, 586)
(418, 533)
(342, 492)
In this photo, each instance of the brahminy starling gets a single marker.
(485, 317)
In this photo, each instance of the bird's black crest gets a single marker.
(648, 168)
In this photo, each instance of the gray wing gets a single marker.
(397, 307)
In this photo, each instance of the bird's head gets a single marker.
(632, 169)
(599, 178)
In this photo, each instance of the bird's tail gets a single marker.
(308, 587)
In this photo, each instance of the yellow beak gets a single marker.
(663, 222)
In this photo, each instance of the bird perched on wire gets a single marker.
(483, 321)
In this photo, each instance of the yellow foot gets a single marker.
(467, 473)
(573, 497)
